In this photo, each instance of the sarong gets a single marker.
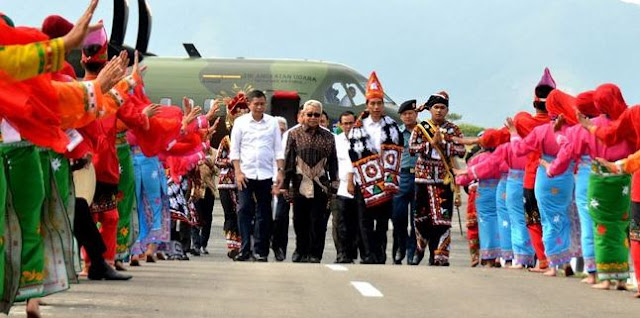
(152, 200)
(586, 224)
(472, 224)
(25, 198)
(520, 238)
(228, 199)
(56, 226)
(434, 208)
(609, 203)
(126, 202)
(554, 198)
(504, 226)
(488, 219)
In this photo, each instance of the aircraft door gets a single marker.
(286, 104)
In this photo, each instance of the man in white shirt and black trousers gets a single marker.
(255, 145)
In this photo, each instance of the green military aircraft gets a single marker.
(167, 80)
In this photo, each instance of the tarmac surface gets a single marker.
(214, 286)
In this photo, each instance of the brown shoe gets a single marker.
(161, 256)
(120, 266)
(151, 259)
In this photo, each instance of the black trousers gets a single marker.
(254, 216)
(310, 223)
(228, 199)
(86, 232)
(374, 223)
(346, 229)
(200, 234)
(280, 233)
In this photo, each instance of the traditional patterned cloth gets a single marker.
(127, 209)
(59, 206)
(488, 219)
(429, 166)
(25, 183)
(376, 173)
(228, 195)
(608, 197)
(586, 223)
(472, 224)
(576, 247)
(152, 196)
(434, 187)
(181, 209)
(521, 241)
(504, 226)
(554, 198)
(226, 175)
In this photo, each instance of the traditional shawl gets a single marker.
(226, 177)
(376, 174)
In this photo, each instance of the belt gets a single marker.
(408, 170)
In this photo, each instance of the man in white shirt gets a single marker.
(255, 145)
(345, 217)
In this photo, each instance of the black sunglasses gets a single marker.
(316, 115)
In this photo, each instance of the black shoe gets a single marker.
(343, 260)
(313, 259)
(184, 257)
(368, 260)
(296, 258)
(194, 252)
(278, 253)
(104, 271)
(233, 253)
(417, 258)
(244, 258)
(262, 259)
(205, 251)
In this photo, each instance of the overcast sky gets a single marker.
(487, 54)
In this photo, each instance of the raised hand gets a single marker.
(186, 104)
(76, 36)
(113, 72)
(214, 109)
(466, 141)
(151, 110)
(557, 125)
(584, 121)
(511, 126)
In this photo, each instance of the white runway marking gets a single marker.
(366, 289)
(337, 268)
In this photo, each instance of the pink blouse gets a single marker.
(541, 138)
(581, 142)
(476, 170)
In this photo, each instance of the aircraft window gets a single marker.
(207, 105)
(356, 94)
(165, 101)
(334, 93)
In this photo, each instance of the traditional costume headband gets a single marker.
(438, 98)
(94, 48)
(545, 86)
(374, 88)
(239, 101)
